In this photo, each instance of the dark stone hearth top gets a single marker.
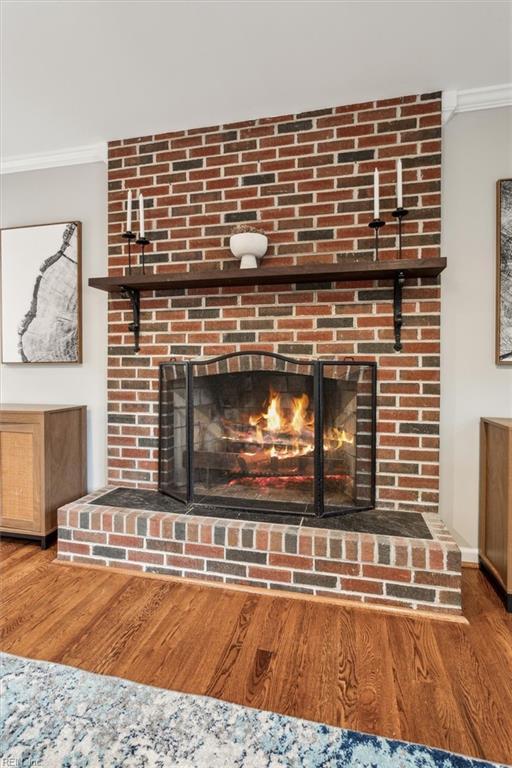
(135, 498)
(380, 522)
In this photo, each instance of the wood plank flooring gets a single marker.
(443, 684)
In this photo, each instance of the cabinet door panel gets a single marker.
(20, 474)
(496, 502)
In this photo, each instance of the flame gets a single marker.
(284, 430)
(300, 414)
(273, 416)
(294, 429)
(339, 437)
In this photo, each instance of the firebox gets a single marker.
(264, 432)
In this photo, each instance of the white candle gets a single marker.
(141, 216)
(399, 198)
(129, 212)
(375, 194)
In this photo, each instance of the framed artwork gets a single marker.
(41, 296)
(504, 273)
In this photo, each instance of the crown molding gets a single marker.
(453, 102)
(89, 153)
(474, 99)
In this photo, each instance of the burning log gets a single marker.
(280, 482)
(250, 463)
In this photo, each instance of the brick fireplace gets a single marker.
(306, 181)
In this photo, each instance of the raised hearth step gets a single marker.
(393, 571)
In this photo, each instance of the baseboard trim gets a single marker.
(469, 556)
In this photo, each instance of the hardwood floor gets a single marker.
(443, 684)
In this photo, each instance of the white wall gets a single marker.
(59, 194)
(477, 150)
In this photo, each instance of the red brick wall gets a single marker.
(307, 180)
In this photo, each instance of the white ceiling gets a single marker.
(81, 72)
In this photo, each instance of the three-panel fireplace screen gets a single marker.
(259, 431)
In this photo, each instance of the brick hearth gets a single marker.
(413, 573)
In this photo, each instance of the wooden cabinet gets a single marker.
(43, 463)
(495, 530)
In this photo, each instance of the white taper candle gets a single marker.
(129, 212)
(141, 216)
(376, 194)
(399, 197)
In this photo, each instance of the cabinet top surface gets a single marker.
(498, 421)
(33, 408)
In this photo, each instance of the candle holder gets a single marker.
(376, 224)
(142, 241)
(129, 236)
(400, 213)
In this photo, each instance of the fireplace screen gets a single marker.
(263, 432)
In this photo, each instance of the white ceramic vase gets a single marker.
(249, 247)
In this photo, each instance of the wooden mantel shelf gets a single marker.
(349, 271)
(397, 270)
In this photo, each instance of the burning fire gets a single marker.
(289, 433)
(281, 432)
(275, 419)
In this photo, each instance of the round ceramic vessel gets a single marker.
(249, 247)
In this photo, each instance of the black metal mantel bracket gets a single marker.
(397, 310)
(134, 295)
(396, 270)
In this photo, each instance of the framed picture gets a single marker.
(41, 296)
(504, 273)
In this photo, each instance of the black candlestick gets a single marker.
(142, 241)
(129, 236)
(376, 224)
(399, 214)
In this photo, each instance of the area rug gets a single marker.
(58, 716)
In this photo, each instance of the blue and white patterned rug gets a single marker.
(58, 716)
